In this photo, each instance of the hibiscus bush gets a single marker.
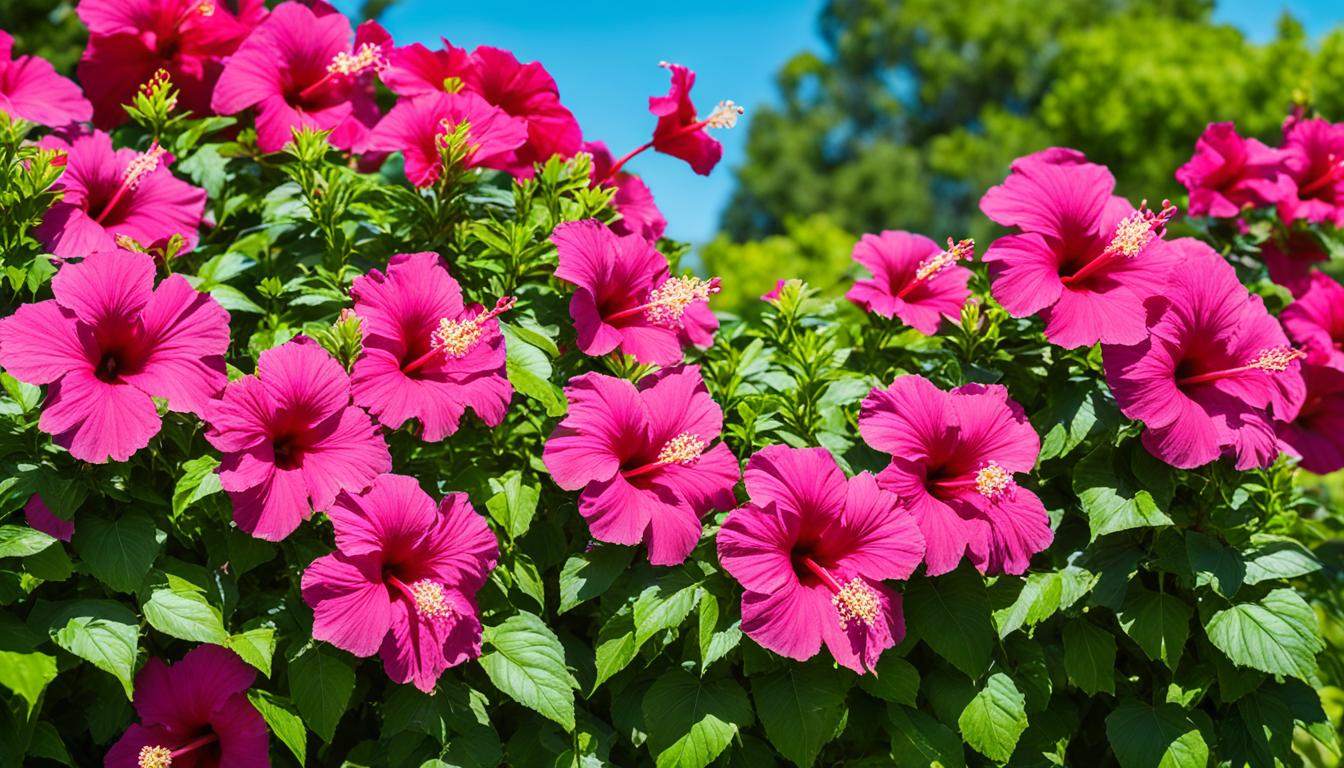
(356, 412)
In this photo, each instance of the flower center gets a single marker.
(1270, 360)
(854, 601)
(140, 166)
(288, 451)
(431, 600)
(994, 482)
(453, 339)
(670, 300)
(1134, 233)
(938, 263)
(684, 449)
(155, 757)
(369, 56)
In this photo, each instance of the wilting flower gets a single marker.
(633, 200)
(812, 550)
(1085, 260)
(39, 518)
(31, 90)
(1214, 373)
(427, 356)
(680, 132)
(1228, 173)
(525, 91)
(1313, 161)
(1317, 434)
(1316, 321)
(641, 456)
(194, 713)
(403, 580)
(299, 69)
(291, 439)
(131, 40)
(953, 460)
(626, 297)
(109, 343)
(419, 129)
(1290, 259)
(109, 193)
(913, 278)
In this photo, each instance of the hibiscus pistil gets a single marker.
(368, 56)
(994, 482)
(938, 263)
(854, 600)
(140, 166)
(670, 300)
(1134, 233)
(158, 756)
(453, 339)
(1269, 360)
(684, 449)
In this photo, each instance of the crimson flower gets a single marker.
(31, 90)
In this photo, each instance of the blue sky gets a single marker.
(604, 54)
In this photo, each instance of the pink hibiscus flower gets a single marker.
(109, 343)
(194, 713)
(111, 193)
(1085, 259)
(633, 200)
(31, 90)
(1317, 434)
(1214, 373)
(131, 40)
(1316, 321)
(39, 518)
(300, 70)
(1290, 259)
(403, 580)
(953, 458)
(525, 91)
(812, 550)
(291, 439)
(626, 297)
(1313, 161)
(913, 278)
(418, 127)
(640, 455)
(426, 355)
(1228, 173)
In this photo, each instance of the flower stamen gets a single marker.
(994, 482)
(431, 600)
(155, 757)
(140, 166)
(684, 449)
(938, 263)
(1271, 360)
(669, 301)
(724, 115)
(1132, 235)
(368, 56)
(453, 339)
(857, 602)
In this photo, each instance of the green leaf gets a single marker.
(690, 720)
(1075, 410)
(1278, 634)
(665, 605)
(1089, 657)
(198, 480)
(119, 552)
(27, 674)
(801, 706)
(514, 504)
(320, 685)
(47, 743)
(995, 719)
(588, 575)
(102, 632)
(616, 646)
(59, 492)
(919, 741)
(255, 646)
(26, 395)
(22, 541)
(525, 660)
(1275, 557)
(1214, 564)
(1161, 737)
(282, 720)
(893, 679)
(951, 614)
(1113, 496)
(1159, 623)
(180, 610)
(530, 371)
(1039, 600)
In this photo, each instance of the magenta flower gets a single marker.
(1290, 263)
(626, 298)
(953, 458)
(110, 193)
(1313, 161)
(418, 128)
(1085, 259)
(640, 455)
(299, 69)
(525, 91)
(913, 279)
(131, 40)
(773, 293)
(812, 550)
(403, 580)
(1317, 434)
(1214, 373)
(109, 343)
(31, 90)
(1316, 321)
(1228, 173)
(633, 200)
(426, 355)
(194, 714)
(39, 518)
(291, 439)
(680, 133)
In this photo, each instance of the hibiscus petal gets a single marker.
(877, 537)
(1024, 273)
(106, 287)
(806, 482)
(755, 545)
(187, 334)
(40, 342)
(619, 513)
(910, 418)
(98, 421)
(857, 646)
(606, 416)
(273, 509)
(347, 455)
(303, 379)
(393, 514)
(352, 609)
(243, 739)
(462, 550)
(789, 621)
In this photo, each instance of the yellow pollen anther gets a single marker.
(994, 482)
(683, 449)
(206, 8)
(669, 301)
(1140, 228)
(724, 115)
(856, 601)
(1275, 359)
(455, 338)
(142, 165)
(369, 56)
(964, 249)
(155, 757)
(431, 601)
